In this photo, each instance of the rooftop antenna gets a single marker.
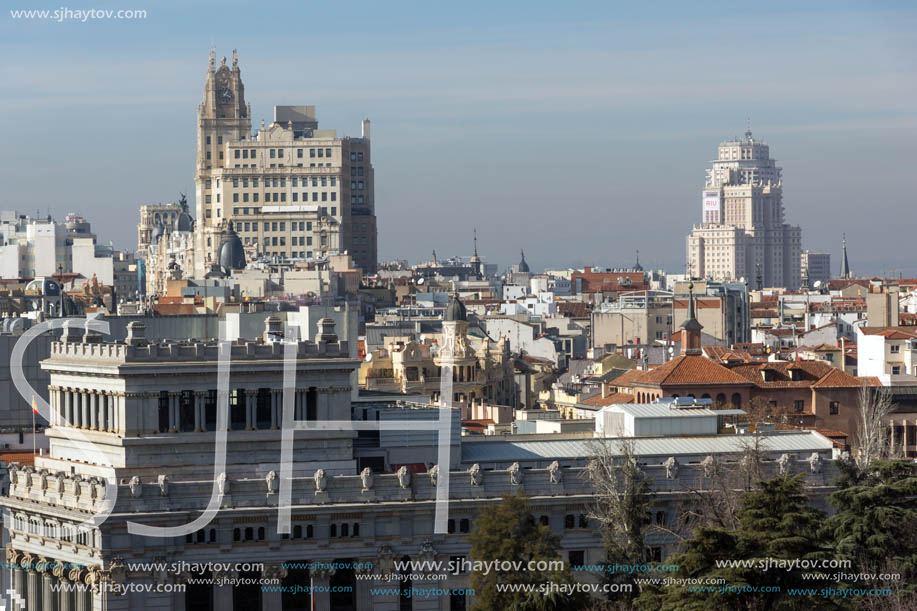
(747, 128)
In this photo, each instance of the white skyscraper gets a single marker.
(742, 232)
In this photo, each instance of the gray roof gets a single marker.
(495, 451)
(665, 410)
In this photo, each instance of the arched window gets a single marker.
(356, 530)
(583, 522)
(249, 533)
(544, 521)
(201, 536)
(569, 521)
(334, 531)
(261, 533)
(721, 400)
(309, 531)
(345, 530)
(736, 400)
(450, 526)
(660, 518)
(213, 535)
(236, 534)
(297, 532)
(464, 525)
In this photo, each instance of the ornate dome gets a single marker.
(455, 310)
(185, 222)
(232, 255)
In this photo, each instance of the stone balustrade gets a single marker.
(191, 351)
(160, 494)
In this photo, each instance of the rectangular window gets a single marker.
(254, 197)
(308, 225)
(253, 153)
(299, 153)
(274, 226)
(334, 196)
(208, 155)
(834, 408)
(274, 241)
(283, 241)
(207, 199)
(327, 152)
(219, 139)
(267, 226)
(309, 243)
(324, 196)
(334, 210)
(360, 156)
(279, 153)
(283, 226)
(245, 197)
(235, 197)
(895, 348)
(896, 370)
(314, 181)
(311, 152)
(283, 197)
(236, 153)
(324, 181)
(320, 153)
(275, 197)
(244, 153)
(334, 181)
(315, 196)
(273, 153)
(208, 139)
(295, 196)
(799, 404)
(295, 181)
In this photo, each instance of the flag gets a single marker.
(34, 405)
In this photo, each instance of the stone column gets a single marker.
(363, 584)
(62, 597)
(275, 408)
(94, 411)
(173, 412)
(33, 589)
(197, 410)
(103, 411)
(68, 406)
(118, 421)
(321, 578)
(84, 412)
(110, 400)
(271, 598)
(222, 592)
(251, 399)
(75, 408)
(48, 597)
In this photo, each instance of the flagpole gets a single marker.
(33, 432)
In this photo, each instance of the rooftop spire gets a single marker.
(845, 264)
(748, 128)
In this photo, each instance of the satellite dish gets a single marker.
(369, 356)
(423, 338)
(742, 279)
(817, 284)
(421, 280)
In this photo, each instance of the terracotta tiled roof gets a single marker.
(25, 458)
(574, 309)
(691, 369)
(627, 378)
(890, 332)
(612, 399)
(838, 379)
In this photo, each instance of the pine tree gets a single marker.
(875, 526)
(508, 532)
(775, 522)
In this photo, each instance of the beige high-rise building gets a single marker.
(290, 189)
(742, 232)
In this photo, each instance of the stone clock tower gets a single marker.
(222, 117)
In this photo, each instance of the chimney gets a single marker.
(273, 329)
(326, 331)
(136, 333)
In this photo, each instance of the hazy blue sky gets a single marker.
(578, 131)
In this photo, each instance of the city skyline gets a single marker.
(450, 101)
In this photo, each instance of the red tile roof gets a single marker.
(689, 370)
